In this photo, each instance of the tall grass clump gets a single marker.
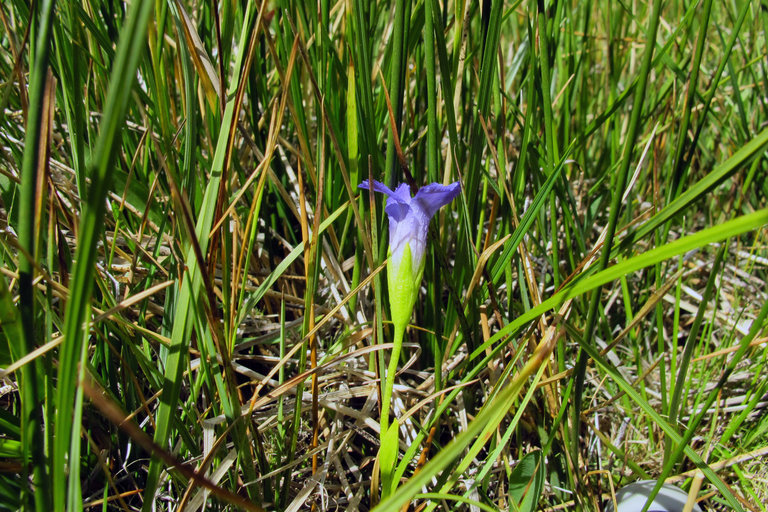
(194, 307)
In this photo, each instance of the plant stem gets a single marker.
(389, 379)
(389, 449)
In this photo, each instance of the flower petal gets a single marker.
(431, 197)
(377, 187)
(398, 200)
(402, 193)
(396, 210)
(409, 229)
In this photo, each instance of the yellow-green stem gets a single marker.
(389, 449)
(389, 379)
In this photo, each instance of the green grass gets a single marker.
(192, 296)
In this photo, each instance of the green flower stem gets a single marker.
(390, 434)
(389, 379)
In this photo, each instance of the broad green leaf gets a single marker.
(526, 482)
(388, 458)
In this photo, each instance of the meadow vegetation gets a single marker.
(193, 296)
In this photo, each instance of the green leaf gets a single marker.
(388, 458)
(10, 325)
(526, 482)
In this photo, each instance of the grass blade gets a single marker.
(71, 360)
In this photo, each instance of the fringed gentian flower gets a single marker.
(408, 224)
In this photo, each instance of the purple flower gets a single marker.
(409, 216)
(408, 223)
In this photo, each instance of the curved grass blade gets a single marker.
(578, 287)
(700, 189)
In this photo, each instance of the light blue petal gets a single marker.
(432, 197)
(397, 210)
(377, 187)
(402, 193)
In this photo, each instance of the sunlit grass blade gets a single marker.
(675, 405)
(66, 484)
(578, 287)
(698, 190)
